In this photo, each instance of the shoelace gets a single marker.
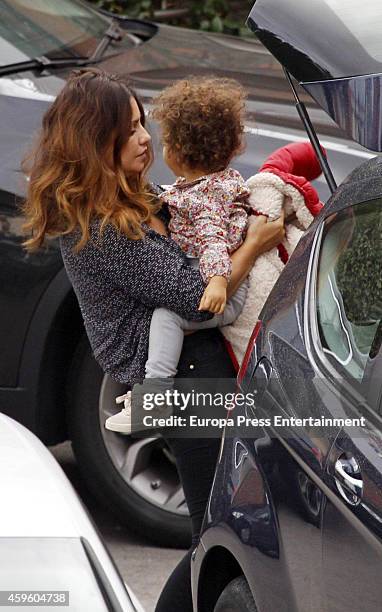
(126, 400)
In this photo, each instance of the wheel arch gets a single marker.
(53, 334)
(220, 563)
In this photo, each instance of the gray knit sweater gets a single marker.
(118, 283)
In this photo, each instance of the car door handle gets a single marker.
(347, 475)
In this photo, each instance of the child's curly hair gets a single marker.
(201, 121)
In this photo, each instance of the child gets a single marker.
(201, 120)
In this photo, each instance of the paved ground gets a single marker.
(143, 566)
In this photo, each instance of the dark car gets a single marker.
(294, 522)
(49, 380)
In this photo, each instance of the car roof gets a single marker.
(364, 183)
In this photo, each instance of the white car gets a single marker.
(50, 552)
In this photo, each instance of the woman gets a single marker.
(87, 186)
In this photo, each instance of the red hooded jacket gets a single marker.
(297, 165)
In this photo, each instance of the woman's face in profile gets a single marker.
(135, 151)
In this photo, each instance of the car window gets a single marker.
(349, 288)
(40, 27)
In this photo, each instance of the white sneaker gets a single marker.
(125, 398)
(121, 422)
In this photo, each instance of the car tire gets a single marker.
(135, 479)
(236, 597)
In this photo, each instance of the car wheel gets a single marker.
(236, 597)
(136, 479)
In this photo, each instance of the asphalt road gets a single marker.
(143, 566)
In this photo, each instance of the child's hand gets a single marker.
(215, 295)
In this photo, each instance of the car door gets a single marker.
(347, 335)
(286, 385)
(319, 359)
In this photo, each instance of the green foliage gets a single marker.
(359, 269)
(211, 15)
(134, 8)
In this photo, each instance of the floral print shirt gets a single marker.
(209, 218)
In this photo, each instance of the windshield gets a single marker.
(58, 28)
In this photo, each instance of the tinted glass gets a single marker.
(349, 288)
(37, 27)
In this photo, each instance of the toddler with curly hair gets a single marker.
(201, 121)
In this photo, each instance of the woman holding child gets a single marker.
(147, 267)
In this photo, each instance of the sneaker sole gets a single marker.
(139, 427)
(118, 429)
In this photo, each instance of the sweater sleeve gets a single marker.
(153, 271)
(211, 224)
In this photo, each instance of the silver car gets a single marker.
(50, 552)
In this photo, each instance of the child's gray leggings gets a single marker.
(167, 333)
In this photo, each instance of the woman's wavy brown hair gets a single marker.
(70, 179)
(202, 121)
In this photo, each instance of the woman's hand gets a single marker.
(263, 234)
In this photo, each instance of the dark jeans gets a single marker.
(195, 459)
